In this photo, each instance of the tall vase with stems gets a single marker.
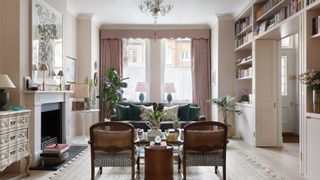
(316, 101)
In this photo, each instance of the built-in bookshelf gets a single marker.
(243, 28)
(313, 44)
(272, 12)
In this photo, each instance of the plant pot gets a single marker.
(152, 133)
(230, 131)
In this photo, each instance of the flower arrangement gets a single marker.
(154, 119)
(311, 78)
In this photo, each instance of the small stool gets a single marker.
(158, 163)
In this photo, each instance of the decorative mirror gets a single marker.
(47, 28)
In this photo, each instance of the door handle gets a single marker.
(274, 105)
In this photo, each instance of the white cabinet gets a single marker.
(312, 154)
(14, 138)
(244, 123)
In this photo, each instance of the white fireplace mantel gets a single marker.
(35, 99)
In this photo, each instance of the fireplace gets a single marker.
(55, 106)
(51, 124)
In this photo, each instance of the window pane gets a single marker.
(284, 75)
(134, 66)
(287, 42)
(178, 68)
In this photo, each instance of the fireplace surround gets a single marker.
(47, 100)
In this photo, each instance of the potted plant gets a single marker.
(311, 78)
(226, 105)
(112, 90)
(90, 101)
(154, 119)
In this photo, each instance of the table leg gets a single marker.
(84, 118)
(28, 162)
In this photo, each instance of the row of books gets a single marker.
(244, 73)
(293, 7)
(242, 24)
(316, 25)
(241, 40)
(266, 7)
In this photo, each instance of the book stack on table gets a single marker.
(55, 154)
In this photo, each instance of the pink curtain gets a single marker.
(111, 57)
(201, 75)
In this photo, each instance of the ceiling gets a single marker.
(127, 11)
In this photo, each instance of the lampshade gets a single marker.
(169, 87)
(43, 67)
(5, 81)
(80, 90)
(60, 73)
(142, 87)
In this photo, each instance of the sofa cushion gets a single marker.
(183, 112)
(134, 113)
(194, 113)
(171, 113)
(144, 110)
(122, 112)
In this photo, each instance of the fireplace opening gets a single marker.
(51, 124)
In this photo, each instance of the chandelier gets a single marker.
(155, 7)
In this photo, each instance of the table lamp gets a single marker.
(80, 90)
(169, 88)
(60, 74)
(5, 82)
(141, 87)
(43, 68)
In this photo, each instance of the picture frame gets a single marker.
(70, 69)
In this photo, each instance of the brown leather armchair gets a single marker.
(204, 145)
(112, 145)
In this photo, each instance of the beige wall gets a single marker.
(222, 60)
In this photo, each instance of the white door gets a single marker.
(287, 65)
(266, 92)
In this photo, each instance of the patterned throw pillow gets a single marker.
(144, 111)
(171, 113)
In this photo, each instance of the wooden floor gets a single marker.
(280, 163)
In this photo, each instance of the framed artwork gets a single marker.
(70, 70)
(47, 39)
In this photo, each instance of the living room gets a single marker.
(121, 89)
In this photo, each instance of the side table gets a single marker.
(84, 116)
(158, 163)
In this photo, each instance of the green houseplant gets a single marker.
(226, 105)
(112, 91)
(154, 119)
(90, 101)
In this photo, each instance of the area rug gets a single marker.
(240, 166)
(73, 152)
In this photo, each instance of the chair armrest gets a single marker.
(202, 118)
(114, 118)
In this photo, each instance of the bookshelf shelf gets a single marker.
(244, 31)
(315, 36)
(248, 62)
(244, 78)
(313, 6)
(275, 32)
(270, 13)
(244, 46)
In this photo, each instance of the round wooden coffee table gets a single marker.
(158, 163)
